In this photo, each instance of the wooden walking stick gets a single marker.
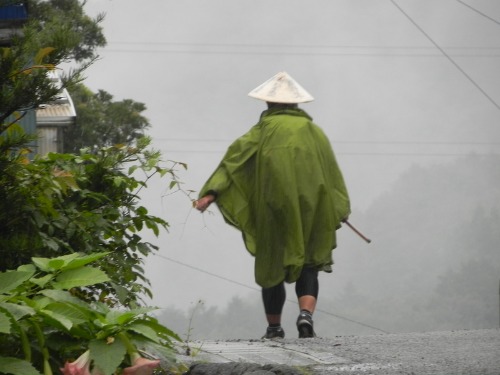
(357, 231)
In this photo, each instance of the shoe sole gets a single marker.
(305, 329)
(281, 335)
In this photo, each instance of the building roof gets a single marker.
(60, 112)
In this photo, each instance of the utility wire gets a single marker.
(258, 290)
(293, 49)
(289, 53)
(478, 143)
(352, 153)
(429, 154)
(305, 46)
(479, 12)
(289, 49)
(446, 55)
(299, 48)
(410, 143)
(206, 272)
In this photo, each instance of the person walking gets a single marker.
(280, 185)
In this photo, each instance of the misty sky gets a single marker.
(397, 83)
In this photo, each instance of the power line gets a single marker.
(206, 272)
(258, 290)
(290, 53)
(348, 142)
(289, 49)
(451, 143)
(306, 46)
(479, 12)
(446, 55)
(423, 154)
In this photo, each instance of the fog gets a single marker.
(402, 88)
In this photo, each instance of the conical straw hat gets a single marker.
(281, 89)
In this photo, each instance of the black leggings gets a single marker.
(274, 297)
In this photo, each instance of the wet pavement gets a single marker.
(431, 353)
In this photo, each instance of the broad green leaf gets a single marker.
(121, 292)
(48, 241)
(107, 357)
(162, 331)
(42, 281)
(132, 169)
(118, 181)
(60, 262)
(65, 296)
(79, 277)
(142, 210)
(145, 331)
(17, 311)
(42, 263)
(53, 264)
(15, 366)
(83, 260)
(68, 311)
(123, 317)
(4, 323)
(27, 268)
(154, 227)
(56, 319)
(12, 279)
(39, 302)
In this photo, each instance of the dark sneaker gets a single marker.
(274, 332)
(305, 325)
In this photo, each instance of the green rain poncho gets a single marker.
(280, 185)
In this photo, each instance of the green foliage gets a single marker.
(43, 323)
(58, 31)
(64, 23)
(102, 121)
(61, 212)
(87, 203)
(24, 82)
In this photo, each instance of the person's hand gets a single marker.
(203, 203)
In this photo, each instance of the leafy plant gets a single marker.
(61, 212)
(43, 322)
(65, 203)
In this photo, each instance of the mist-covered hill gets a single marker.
(434, 263)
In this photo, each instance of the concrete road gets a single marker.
(430, 353)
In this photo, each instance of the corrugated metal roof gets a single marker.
(56, 114)
(61, 112)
